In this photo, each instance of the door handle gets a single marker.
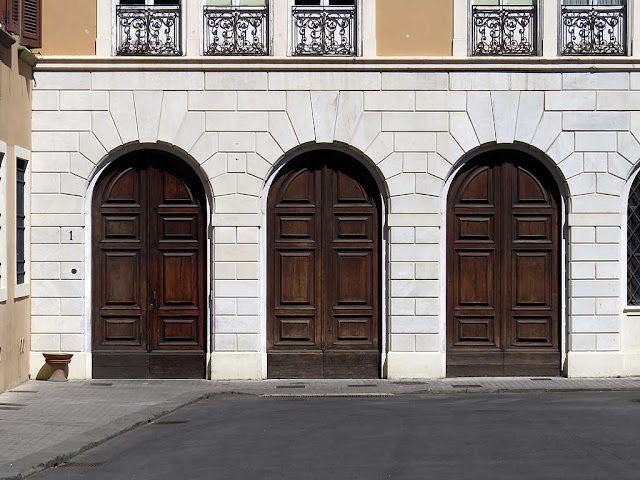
(153, 300)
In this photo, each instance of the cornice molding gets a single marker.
(92, 63)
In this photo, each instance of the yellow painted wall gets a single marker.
(68, 27)
(414, 27)
(15, 129)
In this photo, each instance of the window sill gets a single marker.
(21, 291)
(3, 295)
(632, 310)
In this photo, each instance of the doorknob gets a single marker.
(153, 300)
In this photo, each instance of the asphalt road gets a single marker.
(507, 436)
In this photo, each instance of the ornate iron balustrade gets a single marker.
(503, 30)
(236, 31)
(324, 31)
(148, 30)
(594, 30)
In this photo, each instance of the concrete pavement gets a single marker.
(43, 424)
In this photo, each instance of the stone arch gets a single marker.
(353, 152)
(530, 150)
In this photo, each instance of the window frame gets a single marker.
(114, 28)
(4, 246)
(269, 5)
(359, 45)
(23, 289)
(538, 32)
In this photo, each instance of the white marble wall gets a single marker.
(411, 128)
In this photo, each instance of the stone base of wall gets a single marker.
(238, 366)
(79, 369)
(415, 365)
(594, 364)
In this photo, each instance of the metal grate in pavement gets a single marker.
(292, 386)
(23, 391)
(10, 408)
(466, 385)
(539, 379)
(81, 464)
(409, 383)
(101, 384)
(330, 395)
(170, 422)
(363, 385)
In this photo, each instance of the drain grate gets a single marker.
(12, 405)
(170, 422)
(101, 384)
(291, 386)
(409, 383)
(23, 391)
(540, 379)
(81, 464)
(324, 395)
(364, 385)
(466, 385)
(10, 408)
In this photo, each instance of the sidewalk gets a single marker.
(44, 423)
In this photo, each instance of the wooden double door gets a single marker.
(502, 268)
(323, 270)
(148, 269)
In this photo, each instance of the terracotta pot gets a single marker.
(58, 362)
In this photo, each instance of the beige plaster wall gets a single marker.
(15, 129)
(414, 27)
(68, 27)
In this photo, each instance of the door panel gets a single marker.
(323, 288)
(502, 278)
(149, 291)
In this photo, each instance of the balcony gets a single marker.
(236, 31)
(503, 30)
(324, 31)
(594, 30)
(148, 30)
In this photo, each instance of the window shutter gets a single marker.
(31, 20)
(13, 16)
(3, 13)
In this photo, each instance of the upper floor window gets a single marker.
(236, 27)
(3, 225)
(324, 27)
(24, 18)
(148, 27)
(594, 27)
(503, 27)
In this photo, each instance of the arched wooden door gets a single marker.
(323, 270)
(148, 279)
(503, 243)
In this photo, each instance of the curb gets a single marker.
(63, 451)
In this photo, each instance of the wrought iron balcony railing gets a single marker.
(236, 31)
(503, 30)
(324, 31)
(594, 30)
(148, 30)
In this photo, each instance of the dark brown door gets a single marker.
(323, 269)
(502, 268)
(148, 270)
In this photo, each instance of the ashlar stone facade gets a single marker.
(412, 126)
